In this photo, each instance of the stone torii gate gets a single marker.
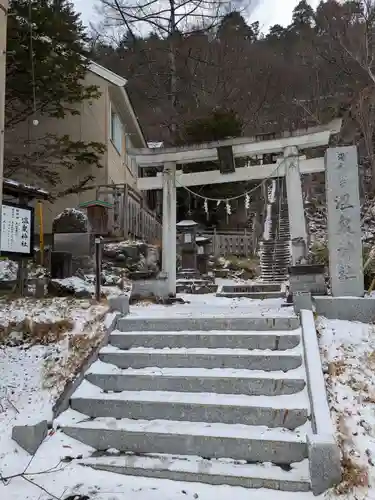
(291, 165)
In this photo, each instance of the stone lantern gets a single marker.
(187, 234)
(203, 253)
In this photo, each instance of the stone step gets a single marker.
(209, 440)
(287, 411)
(215, 472)
(279, 266)
(252, 295)
(282, 244)
(220, 380)
(274, 270)
(206, 323)
(274, 340)
(279, 278)
(284, 249)
(283, 256)
(202, 358)
(271, 256)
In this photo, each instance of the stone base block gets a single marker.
(307, 278)
(324, 463)
(143, 289)
(31, 436)
(346, 308)
(119, 303)
(302, 300)
(313, 283)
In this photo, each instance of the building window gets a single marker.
(116, 131)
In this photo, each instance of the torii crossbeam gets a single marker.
(292, 165)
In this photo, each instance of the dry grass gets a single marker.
(336, 368)
(36, 332)
(45, 333)
(59, 371)
(353, 476)
(371, 359)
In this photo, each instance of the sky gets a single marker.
(267, 12)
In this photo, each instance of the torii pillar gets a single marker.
(296, 213)
(169, 225)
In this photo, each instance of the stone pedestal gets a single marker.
(72, 234)
(307, 278)
(61, 265)
(203, 255)
(344, 222)
(187, 233)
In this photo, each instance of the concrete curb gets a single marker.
(62, 403)
(208, 323)
(323, 451)
(346, 308)
(253, 291)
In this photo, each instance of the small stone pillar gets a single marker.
(72, 234)
(203, 253)
(187, 234)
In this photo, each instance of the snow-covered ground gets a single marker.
(42, 345)
(348, 351)
(210, 305)
(348, 354)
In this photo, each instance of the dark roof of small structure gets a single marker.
(15, 188)
(202, 240)
(96, 203)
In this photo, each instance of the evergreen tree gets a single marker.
(47, 60)
(303, 14)
(234, 25)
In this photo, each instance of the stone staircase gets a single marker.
(215, 400)
(275, 251)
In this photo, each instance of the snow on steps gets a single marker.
(275, 340)
(140, 357)
(238, 393)
(287, 411)
(218, 380)
(213, 471)
(211, 440)
(221, 321)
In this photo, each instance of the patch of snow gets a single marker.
(11, 182)
(8, 270)
(106, 368)
(72, 211)
(348, 354)
(33, 373)
(75, 284)
(71, 478)
(239, 431)
(284, 401)
(187, 223)
(208, 305)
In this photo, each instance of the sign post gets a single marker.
(17, 238)
(17, 231)
(3, 40)
(98, 266)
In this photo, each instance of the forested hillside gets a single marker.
(319, 67)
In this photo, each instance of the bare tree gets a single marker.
(169, 20)
(347, 42)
